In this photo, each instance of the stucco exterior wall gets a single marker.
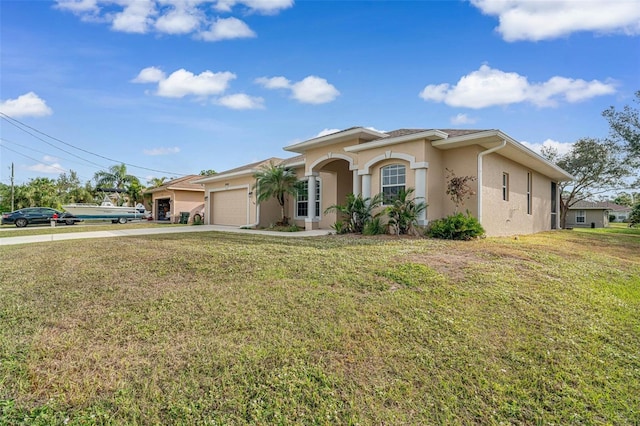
(180, 201)
(463, 162)
(598, 217)
(509, 217)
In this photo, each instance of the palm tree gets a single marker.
(157, 182)
(358, 211)
(116, 177)
(275, 181)
(404, 212)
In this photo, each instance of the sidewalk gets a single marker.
(27, 239)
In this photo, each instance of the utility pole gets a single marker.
(12, 192)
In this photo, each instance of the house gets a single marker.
(595, 214)
(176, 196)
(516, 189)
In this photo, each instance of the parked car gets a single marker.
(34, 215)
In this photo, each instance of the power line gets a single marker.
(13, 122)
(31, 158)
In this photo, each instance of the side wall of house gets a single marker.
(509, 217)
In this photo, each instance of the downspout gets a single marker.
(253, 225)
(482, 154)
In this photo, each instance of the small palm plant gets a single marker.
(357, 211)
(404, 212)
(276, 181)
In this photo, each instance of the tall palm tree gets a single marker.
(157, 182)
(116, 177)
(275, 181)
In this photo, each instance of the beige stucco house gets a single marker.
(595, 214)
(516, 189)
(177, 196)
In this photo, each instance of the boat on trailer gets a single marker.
(107, 211)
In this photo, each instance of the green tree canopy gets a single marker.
(596, 167)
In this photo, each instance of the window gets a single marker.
(394, 178)
(505, 186)
(302, 201)
(581, 216)
(529, 184)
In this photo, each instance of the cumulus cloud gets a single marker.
(182, 83)
(267, 7)
(462, 119)
(162, 151)
(196, 17)
(50, 165)
(226, 29)
(27, 105)
(540, 20)
(149, 75)
(489, 87)
(561, 147)
(310, 90)
(241, 101)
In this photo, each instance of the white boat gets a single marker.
(107, 210)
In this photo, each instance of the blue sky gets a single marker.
(180, 86)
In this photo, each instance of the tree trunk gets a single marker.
(563, 215)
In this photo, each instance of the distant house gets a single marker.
(516, 189)
(177, 196)
(595, 214)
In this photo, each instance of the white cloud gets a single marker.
(310, 90)
(183, 19)
(274, 82)
(226, 29)
(267, 7)
(136, 17)
(53, 168)
(173, 16)
(540, 20)
(489, 87)
(314, 90)
(162, 151)
(561, 147)
(150, 75)
(27, 105)
(462, 119)
(182, 82)
(241, 101)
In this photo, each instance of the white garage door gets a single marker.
(229, 207)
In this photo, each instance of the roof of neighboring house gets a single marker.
(185, 183)
(599, 205)
(238, 171)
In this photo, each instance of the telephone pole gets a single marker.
(12, 192)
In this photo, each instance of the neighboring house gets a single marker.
(595, 214)
(516, 189)
(177, 196)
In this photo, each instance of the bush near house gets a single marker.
(456, 227)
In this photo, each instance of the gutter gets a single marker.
(480, 156)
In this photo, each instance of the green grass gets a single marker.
(12, 231)
(213, 328)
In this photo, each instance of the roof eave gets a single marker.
(302, 147)
(433, 135)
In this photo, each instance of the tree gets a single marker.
(627, 199)
(596, 167)
(116, 177)
(357, 210)
(624, 127)
(209, 172)
(276, 181)
(156, 182)
(634, 217)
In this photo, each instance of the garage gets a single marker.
(229, 207)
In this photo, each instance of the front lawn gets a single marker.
(214, 328)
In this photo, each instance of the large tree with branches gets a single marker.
(596, 167)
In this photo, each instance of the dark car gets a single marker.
(35, 215)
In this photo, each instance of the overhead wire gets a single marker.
(20, 125)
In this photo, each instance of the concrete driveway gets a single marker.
(152, 231)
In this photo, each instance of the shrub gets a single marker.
(404, 212)
(374, 227)
(634, 217)
(356, 212)
(612, 218)
(340, 227)
(456, 227)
